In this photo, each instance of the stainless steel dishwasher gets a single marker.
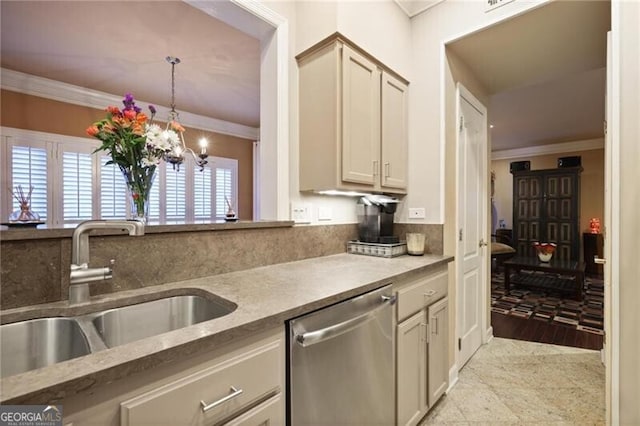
(340, 363)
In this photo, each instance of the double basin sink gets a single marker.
(36, 343)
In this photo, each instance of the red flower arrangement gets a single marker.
(544, 250)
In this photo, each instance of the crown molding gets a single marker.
(28, 84)
(416, 11)
(556, 148)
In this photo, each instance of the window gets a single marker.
(113, 191)
(202, 194)
(73, 184)
(175, 197)
(29, 169)
(77, 187)
(226, 184)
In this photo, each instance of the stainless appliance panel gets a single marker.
(341, 363)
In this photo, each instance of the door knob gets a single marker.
(482, 243)
(599, 260)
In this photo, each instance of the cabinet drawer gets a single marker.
(254, 376)
(423, 292)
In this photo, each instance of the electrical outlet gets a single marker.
(324, 213)
(301, 212)
(416, 213)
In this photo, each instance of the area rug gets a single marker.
(585, 315)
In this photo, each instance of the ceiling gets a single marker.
(120, 46)
(545, 72)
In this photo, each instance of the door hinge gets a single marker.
(459, 344)
(605, 126)
(460, 235)
(461, 122)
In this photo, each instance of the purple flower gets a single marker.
(152, 109)
(128, 102)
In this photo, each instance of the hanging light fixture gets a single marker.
(176, 156)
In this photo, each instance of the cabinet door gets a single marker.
(360, 118)
(438, 354)
(394, 132)
(269, 413)
(527, 213)
(562, 218)
(411, 361)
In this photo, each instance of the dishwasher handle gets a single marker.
(312, 337)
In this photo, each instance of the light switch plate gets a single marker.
(416, 213)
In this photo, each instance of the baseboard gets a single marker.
(453, 377)
(488, 335)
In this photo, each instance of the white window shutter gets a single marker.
(175, 195)
(202, 194)
(76, 187)
(29, 168)
(226, 185)
(113, 191)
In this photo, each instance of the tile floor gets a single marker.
(513, 382)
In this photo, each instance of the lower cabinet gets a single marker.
(240, 385)
(422, 355)
(438, 356)
(411, 373)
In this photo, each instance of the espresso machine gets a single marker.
(375, 219)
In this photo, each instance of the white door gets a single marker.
(472, 207)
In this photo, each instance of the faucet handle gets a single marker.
(108, 270)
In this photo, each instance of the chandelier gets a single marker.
(176, 155)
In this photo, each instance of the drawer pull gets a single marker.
(430, 293)
(234, 392)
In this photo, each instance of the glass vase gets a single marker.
(139, 182)
(25, 214)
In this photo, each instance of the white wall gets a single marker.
(442, 23)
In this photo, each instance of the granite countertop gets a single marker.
(265, 297)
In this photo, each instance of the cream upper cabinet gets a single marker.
(393, 159)
(353, 121)
(360, 118)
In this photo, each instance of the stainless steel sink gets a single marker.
(32, 344)
(36, 343)
(130, 323)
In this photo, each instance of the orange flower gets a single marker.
(129, 114)
(141, 118)
(93, 130)
(113, 110)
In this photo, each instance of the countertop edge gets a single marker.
(20, 234)
(36, 386)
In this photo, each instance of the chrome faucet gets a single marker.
(81, 274)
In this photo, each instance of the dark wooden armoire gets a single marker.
(546, 208)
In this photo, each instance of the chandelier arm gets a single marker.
(176, 157)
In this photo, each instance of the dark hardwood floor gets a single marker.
(512, 327)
